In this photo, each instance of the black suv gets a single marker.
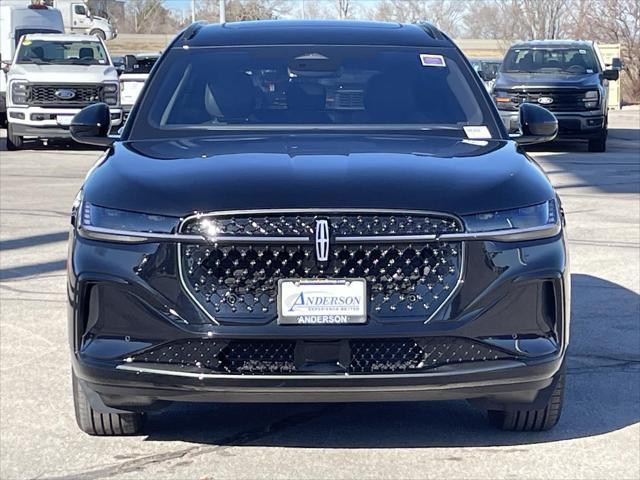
(316, 212)
(567, 77)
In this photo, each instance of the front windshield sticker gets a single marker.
(26, 42)
(432, 60)
(477, 132)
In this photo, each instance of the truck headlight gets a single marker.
(19, 93)
(503, 101)
(591, 99)
(536, 221)
(110, 93)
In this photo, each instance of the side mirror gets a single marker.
(538, 125)
(611, 74)
(91, 125)
(616, 64)
(6, 67)
(130, 62)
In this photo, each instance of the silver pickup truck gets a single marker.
(52, 77)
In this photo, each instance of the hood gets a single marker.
(545, 80)
(179, 177)
(63, 73)
(101, 21)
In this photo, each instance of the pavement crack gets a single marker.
(238, 439)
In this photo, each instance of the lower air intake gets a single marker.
(281, 357)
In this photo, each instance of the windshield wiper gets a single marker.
(37, 61)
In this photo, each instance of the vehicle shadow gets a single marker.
(51, 145)
(601, 398)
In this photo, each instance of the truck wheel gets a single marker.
(98, 33)
(533, 420)
(14, 142)
(599, 144)
(102, 424)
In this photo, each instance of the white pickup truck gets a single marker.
(52, 77)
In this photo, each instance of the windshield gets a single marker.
(77, 52)
(577, 61)
(294, 87)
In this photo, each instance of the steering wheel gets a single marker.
(576, 69)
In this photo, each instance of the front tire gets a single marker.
(14, 142)
(599, 144)
(535, 420)
(102, 424)
(98, 33)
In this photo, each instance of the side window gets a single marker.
(79, 10)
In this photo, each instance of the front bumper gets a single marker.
(571, 125)
(44, 122)
(514, 299)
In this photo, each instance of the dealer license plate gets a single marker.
(322, 302)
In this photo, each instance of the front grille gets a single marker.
(283, 357)
(571, 100)
(46, 95)
(404, 278)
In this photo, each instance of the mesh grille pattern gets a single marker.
(264, 357)
(46, 94)
(339, 225)
(402, 279)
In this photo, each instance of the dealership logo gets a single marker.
(323, 301)
(545, 100)
(322, 240)
(65, 94)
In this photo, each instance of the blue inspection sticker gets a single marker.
(429, 60)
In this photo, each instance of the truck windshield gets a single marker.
(577, 61)
(80, 52)
(324, 87)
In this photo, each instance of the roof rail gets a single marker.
(190, 32)
(431, 30)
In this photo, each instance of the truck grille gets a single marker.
(278, 357)
(407, 274)
(563, 101)
(46, 95)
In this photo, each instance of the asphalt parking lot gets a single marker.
(597, 437)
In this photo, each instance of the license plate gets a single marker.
(64, 120)
(322, 302)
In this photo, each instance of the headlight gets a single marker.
(108, 224)
(19, 93)
(591, 99)
(110, 93)
(503, 100)
(536, 221)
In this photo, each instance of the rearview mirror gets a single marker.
(91, 125)
(611, 74)
(538, 125)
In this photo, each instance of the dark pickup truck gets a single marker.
(567, 77)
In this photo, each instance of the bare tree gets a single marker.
(517, 19)
(239, 10)
(613, 21)
(344, 9)
(446, 14)
(148, 16)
